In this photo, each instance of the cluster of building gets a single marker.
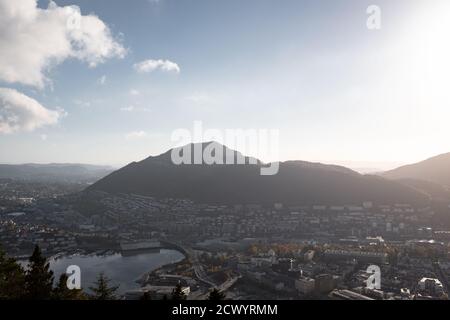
(347, 274)
(139, 216)
(337, 243)
(18, 239)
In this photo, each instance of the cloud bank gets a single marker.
(19, 112)
(32, 40)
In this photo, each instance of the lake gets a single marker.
(122, 270)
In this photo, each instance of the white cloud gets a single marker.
(199, 98)
(136, 135)
(134, 92)
(153, 65)
(127, 109)
(19, 112)
(32, 40)
(132, 108)
(102, 80)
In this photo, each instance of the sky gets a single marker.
(109, 81)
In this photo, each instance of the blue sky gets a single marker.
(337, 91)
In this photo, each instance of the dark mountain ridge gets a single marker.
(297, 182)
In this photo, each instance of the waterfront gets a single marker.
(124, 270)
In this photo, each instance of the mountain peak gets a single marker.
(196, 152)
(297, 182)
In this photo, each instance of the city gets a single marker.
(248, 251)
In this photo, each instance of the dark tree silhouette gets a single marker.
(146, 296)
(12, 278)
(178, 294)
(62, 292)
(39, 277)
(216, 295)
(102, 290)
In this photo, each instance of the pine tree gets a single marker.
(62, 292)
(178, 294)
(216, 295)
(146, 296)
(12, 278)
(102, 290)
(39, 277)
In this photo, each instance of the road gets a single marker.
(198, 268)
(222, 288)
(203, 277)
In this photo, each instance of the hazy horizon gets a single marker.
(359, 166)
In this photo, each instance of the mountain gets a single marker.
(54, 172)
(433, 190)
(436, 170)
(298, 182)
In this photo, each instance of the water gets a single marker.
(122, 270)
(16, 214)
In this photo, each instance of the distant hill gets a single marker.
(298, 182)
(434, 190)
(54, 172)
(436, 170)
